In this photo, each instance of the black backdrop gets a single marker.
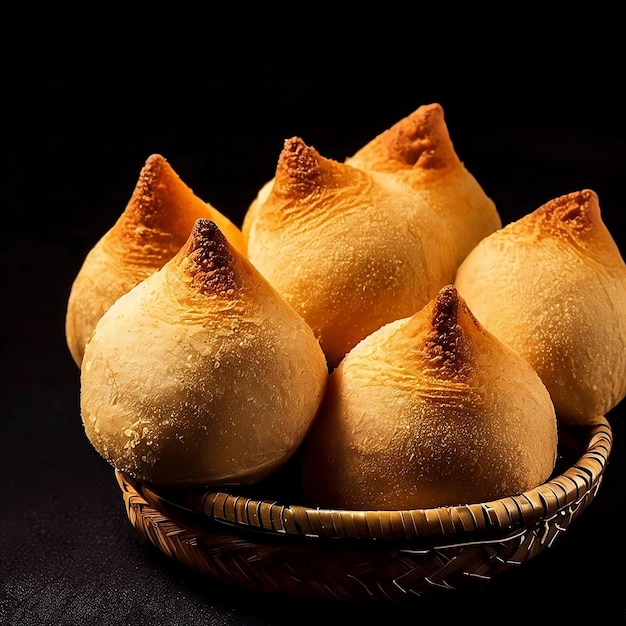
(78, 128)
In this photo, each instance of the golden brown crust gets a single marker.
(153, 226)
(158, 217)
(445, 342)
(419, 151)
(350, 250)
(201, 374)
(302, 173)
(209, 260)
(576, 218)
(552, 285)
(429, 411)
(299, 168)
(419, 141)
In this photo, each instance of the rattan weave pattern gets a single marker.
(366, 555)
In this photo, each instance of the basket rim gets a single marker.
(563, 494)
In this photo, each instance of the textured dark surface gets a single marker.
(77, 128)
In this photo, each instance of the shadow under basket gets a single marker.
(264, 544)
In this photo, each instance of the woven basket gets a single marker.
(264, 544)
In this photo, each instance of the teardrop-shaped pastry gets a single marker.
(155, 223)
(418, 149)
(429, 411)
(348, 249)
(552, 285)
(201, 374)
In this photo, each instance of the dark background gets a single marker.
(532, 118)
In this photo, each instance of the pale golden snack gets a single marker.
(349, 250)
(153, 226)
(552, 285)
(418, 150)
(428, 411)
(201, 374)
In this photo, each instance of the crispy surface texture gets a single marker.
(552, 285)
(350, 250)
(419, 151)
(430, 410)
(155, 223)
(201, 374)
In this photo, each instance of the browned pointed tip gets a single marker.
(448, 343)
(422, 140)
(302, 171)
(418, 141)
(211, 259)
(154, 162)
(298, 159)
(445, 310)
(575, 218)
(154, 178)
(577, 211)
(162, 208)
(299, 167)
